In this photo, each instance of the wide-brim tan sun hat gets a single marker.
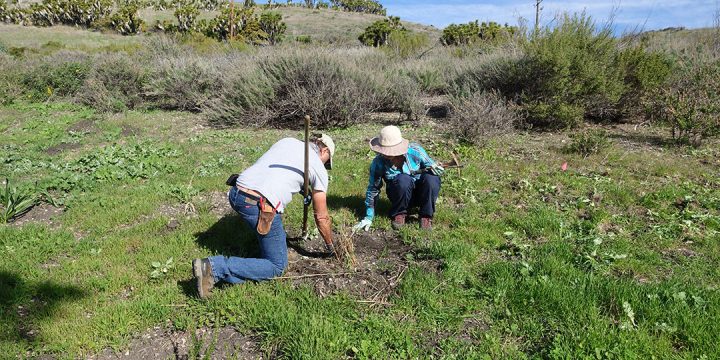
(390, 142)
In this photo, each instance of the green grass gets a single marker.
(52, 39)
(614, 258)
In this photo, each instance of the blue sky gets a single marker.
(645, 14)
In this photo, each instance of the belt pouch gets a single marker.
(265, 218)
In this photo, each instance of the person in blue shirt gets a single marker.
(411, 175)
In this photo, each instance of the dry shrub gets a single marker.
(10, 88)
(333, 93)
(345, 247)
(243, 96)
(482, 115)
(183, 83)
(690, 102)
(486, 72)
(116, 83)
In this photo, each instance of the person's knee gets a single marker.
(432, 181)
(279, 268)
(403, 181)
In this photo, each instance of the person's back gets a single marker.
(279, 173)
(258, 195)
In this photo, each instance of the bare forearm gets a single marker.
(322, 216)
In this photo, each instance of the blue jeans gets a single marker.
(404, 192)
(273, 248)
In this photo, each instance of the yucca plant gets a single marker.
(14, 202)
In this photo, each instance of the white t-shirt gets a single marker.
(278, 174)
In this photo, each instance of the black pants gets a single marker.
(404, 192)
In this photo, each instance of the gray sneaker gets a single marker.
(203, 273)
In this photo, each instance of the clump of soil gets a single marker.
(161, 343)
(381, 260)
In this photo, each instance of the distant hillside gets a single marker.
(680, 39)
(335, 26)
(322, 25)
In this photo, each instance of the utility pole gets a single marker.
(538, 8)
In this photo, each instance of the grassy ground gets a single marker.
(614, 258)
(334, 26)
(56, 38)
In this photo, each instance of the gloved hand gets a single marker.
(437, 169)
(364, 224)
(307, 199)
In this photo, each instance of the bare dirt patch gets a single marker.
(381, 262)
(218, 203)
(161, 343)
(129, 130)
(56, 149)
(83, 126)
(40, 214)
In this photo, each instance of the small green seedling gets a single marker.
(160, 269)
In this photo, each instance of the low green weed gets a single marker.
(14, 202)
(161, 270)
(588, 142)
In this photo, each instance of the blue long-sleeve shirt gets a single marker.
(380, 168)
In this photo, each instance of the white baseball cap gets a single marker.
(330, 144)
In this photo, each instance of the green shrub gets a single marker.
(84, 13)
(574, 72)
(499, 71)
(54, 76)
(13, 15)
(482, 115)
(690, 102)
(116, 83)
(405, 44)
(378, 33)
(571, 73)
(587, 142)
(473, 32)
(45, 13)
(271, 23)
(243, 26)
(126, 20)
(553, 113)
(644, 72)
(430, 80)
(305, 39)
(187, 18)
(4, 11)
(362, 6)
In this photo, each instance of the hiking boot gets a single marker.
(203, 273)
(426, 223)
(398, 221)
